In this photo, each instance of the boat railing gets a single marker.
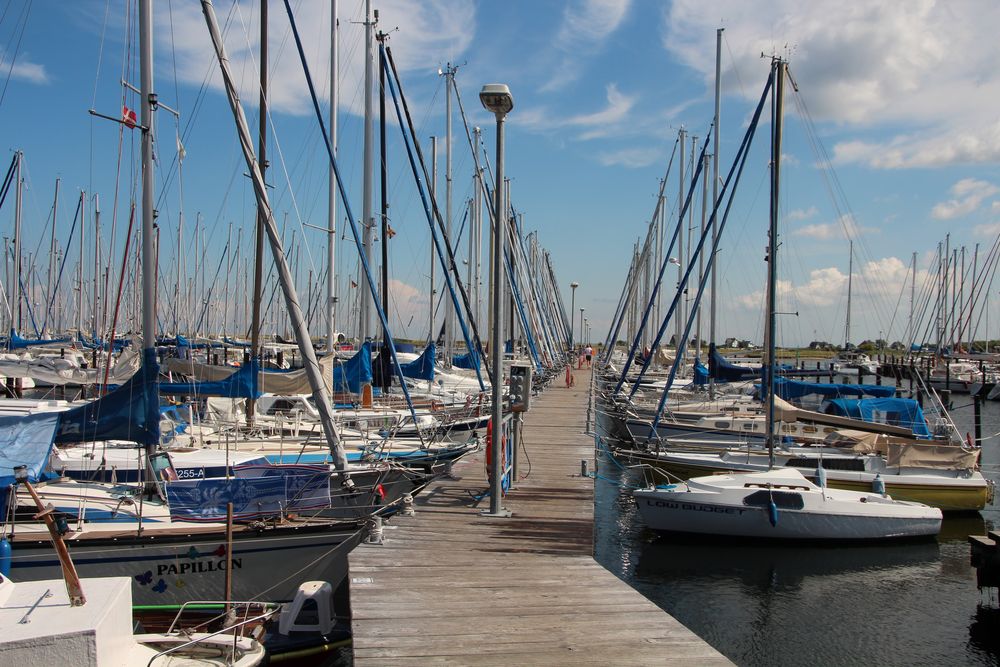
(226, 630)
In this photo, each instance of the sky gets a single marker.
(891, 141)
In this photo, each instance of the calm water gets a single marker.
(912, 604)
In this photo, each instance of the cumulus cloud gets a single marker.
(869, 64)
(968, 193)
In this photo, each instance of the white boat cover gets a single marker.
(62, 371)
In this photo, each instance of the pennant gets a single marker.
(128, 117)
(181, 153)
(353, 284)
(390, 232)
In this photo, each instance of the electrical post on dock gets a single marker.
(520, 401)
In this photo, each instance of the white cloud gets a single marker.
(969, 194)
(594, 124)
(802, 214)
(25, 70)
(631, 157)
(441, 27)
(898, 65)
(586, 25)
(845, 227)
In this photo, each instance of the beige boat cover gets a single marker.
(942, 457)
(290, 382)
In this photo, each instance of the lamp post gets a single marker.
(572, 309)
(581, 320)
(496, 98)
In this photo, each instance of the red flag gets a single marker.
(380, 490)
(128, 117)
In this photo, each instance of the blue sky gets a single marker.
(900, 96)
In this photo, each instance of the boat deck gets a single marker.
(449, 586)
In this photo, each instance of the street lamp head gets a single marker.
(574, 285)
(496, 97)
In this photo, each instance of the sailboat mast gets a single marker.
(258, 255)
(680, 238)
(364, 329)
(17, 243)
(911, 334)
(50, 284)
(433, 190)
(148, 251)
(850, 280)
(384, 182)
(778, 72)
(449, 311)
(331, 219)
(715, 194)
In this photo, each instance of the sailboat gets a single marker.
(779, 504)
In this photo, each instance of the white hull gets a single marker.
(738, 506)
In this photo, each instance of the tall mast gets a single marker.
(778, 72)
(148, 251)
(384, 183)
(17, 243)
(449, 309)
(364, 328)
(715, 193)
(258, 255)
(79, 266)
(331, 218)
(433, 188)
(680, 240)
(476, 256)
(911, 334)
(850, 279)
(50, 284)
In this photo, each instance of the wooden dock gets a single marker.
(449, 586)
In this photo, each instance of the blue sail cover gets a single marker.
(241, 384)
(127, 413)
(789, 389)
(700, 373)
(468, 361)
(421, 368)
(256, 491)
(351, 374)
(26, 440)
(723, 370)
(15, 342)
(903, 412)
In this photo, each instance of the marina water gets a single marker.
(900, 604)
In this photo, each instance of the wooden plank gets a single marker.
(451, 587)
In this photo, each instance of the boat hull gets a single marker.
(269, 564)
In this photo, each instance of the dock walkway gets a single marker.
(449, 586)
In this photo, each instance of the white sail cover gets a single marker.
(62, 371)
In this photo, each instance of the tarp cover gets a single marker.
(120, 415)
(15, 342)
(241, 384)
(63, 371)
(903, 412)
(468, 361)
(941, 457)
(700, 373)
(791, 389)
(340, 375)
(421, 368)
(25, 440)
(255, 491)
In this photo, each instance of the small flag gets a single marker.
(181, 153)
(390, 231)
(128, 117)
(380, 490)
(353, 284)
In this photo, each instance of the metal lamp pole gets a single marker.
(496, 98)
(572, 309)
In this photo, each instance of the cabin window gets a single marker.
(721, 424)
(785, 500)
(809, 429)
(748, 427)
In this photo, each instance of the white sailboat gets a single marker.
(780, 504)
